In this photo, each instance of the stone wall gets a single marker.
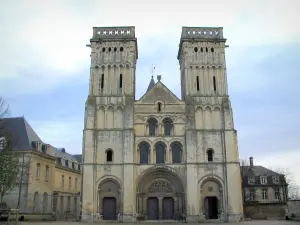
(265, 211)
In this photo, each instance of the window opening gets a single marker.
(206, 49)
(214, 83)
(198, 84)
(121, 49)
(209, 155)
(109, 156)
(121, 81)
(159, 107)
(196, 49)
(212, 49)
(109, 49)
(103, 49)
(102, 81)
(115, 49)
(201, 49)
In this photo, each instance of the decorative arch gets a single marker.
(101, 117)
(45, 202)
(111, 178)
(162, 182)
(109, 189)
(207, 113)
(211, 186)
(109, 116)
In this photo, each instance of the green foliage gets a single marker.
(9, 170)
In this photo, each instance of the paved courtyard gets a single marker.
(256, 222)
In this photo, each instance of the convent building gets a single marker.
(160, 156)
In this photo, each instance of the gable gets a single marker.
(159, 92)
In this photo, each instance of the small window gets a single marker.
(214, 83)
(115, 49)
(209, 155)
(102, 81)
(46, 172)
(276, 194)
(121, 49)
(201, 49)
(62, 180)
(198, 84)
(264, 194)
(109, 156)
(109, 49)
(121, 81)
(70, 182)
(103, 49)
(159, 107)
(76, 181)
(212, 50)
(206, 49)
(196, 49)
(37, 175)
(263, 179)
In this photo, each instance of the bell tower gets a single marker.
(201, 57)
(108, 136)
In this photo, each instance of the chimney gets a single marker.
(251, 162)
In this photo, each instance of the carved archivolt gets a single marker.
(160, 186)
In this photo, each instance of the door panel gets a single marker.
(168, 208)
(109, 208)
(152, 208)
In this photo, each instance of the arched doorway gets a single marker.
(109, 203)
(160, 194)
(211, 198)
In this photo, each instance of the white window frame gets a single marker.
(251, 180)
(263, 179)
(264, 194)
(38, 170)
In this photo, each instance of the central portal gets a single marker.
(160, 195)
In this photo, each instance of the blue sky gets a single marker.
(44, 69)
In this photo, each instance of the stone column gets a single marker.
(160, 208)
(167, 154)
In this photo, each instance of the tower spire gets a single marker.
(152, 82)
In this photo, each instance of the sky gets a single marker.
(44, 64)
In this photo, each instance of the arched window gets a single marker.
(176, 152)
(152, 123)
(144, 153)
(167, 126)
(36, 201)
(160, 153)
(210, 155)
(109, 156)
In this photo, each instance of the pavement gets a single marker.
(254, 222)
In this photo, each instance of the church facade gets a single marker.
(159, 156)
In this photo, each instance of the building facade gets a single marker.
(51, 178)
(160, 156)
(265, 192)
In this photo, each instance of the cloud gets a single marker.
(51, 36)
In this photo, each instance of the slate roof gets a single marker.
(22, 136)
(258, 171)
(151, 84)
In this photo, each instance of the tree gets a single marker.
(9, 160)
(290, 189)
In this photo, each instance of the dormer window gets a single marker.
(78, 166)
(73, 165)
(251, 180)
(67, 163)
(275, 179)
(263, 179)
(58, 161)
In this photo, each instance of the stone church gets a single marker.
(160, 156)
